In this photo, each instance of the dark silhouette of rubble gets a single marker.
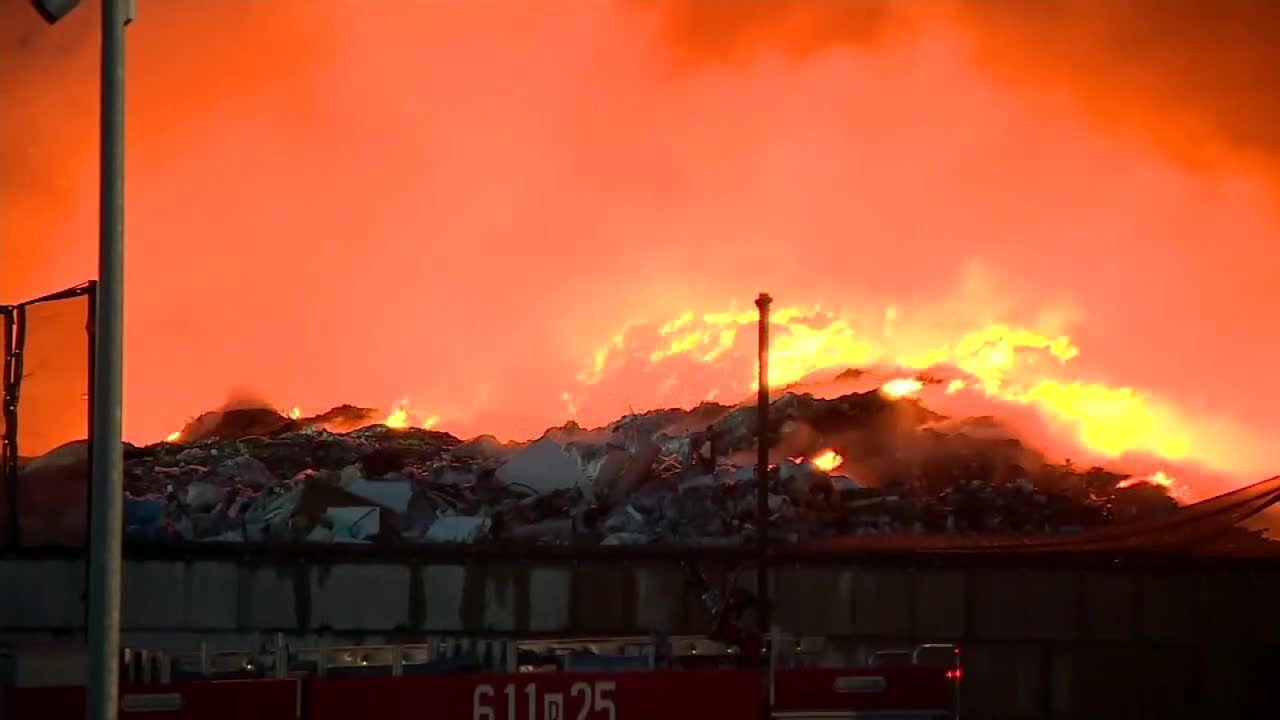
(259, 476)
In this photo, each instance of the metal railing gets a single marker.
(452, 654)
(441, 654)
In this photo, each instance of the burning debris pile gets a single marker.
(865, 463)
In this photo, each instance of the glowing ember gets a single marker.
(174, 436)
(403, 416)
(901, 387)
(827, 460)
(1159, 479)
(955, 386)
(295, 413)
(398, 419)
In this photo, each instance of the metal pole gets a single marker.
(762, 462)
(108, 380)
(9, 440)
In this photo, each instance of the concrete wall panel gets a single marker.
(662, 601)
(442, 587)
(42, 594)
(1028, 605)
(549, 599)
(882, 603)
(1167, 607)
(605, 598)
(269, 598)
(813, 600)
(211, 591)
(997, 611)
(505, 598)
(1093, 681)
(360, 597)
(1168, 682)
(1223, 606)
(10, 610)
(1050, 605)
(1004, 680)
(940, 605)
(1264, 620)
(1108, 602)
(154, 595)
(1220, 682)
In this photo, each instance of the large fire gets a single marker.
(997, 368)
(1083, 246)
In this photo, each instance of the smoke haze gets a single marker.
(458, 202)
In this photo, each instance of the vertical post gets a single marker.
(762, 463)
(775, 645)
(9, 443)
(281, 668)
(105, 533)
(91, 323)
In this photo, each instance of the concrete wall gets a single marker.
(1038, 643)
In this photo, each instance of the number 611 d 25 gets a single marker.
(586, 701)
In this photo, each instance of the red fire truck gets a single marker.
(677, 678)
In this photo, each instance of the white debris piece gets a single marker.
(246, 470)
(320, 534)
(625, 538)
(590, 460)
(843, 483)
(202, 496)
(607, 470)
(479, 448)
(450, 476)
(458, 528)
(543, 467)
(701, 481)
(357, 522)
(393, 495)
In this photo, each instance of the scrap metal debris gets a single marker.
(855, 465)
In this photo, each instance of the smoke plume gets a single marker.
(461, 202)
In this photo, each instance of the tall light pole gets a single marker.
(106, 531)
(762, 463)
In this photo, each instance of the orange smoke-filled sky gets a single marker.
(459, 202)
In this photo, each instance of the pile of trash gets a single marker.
(859, 464)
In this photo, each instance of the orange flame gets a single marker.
(174, 436)
(1015, 365)
(827, 460)
(295, 413)
(403, 416)
(1158, 478)
(901, 387)
(398, 419)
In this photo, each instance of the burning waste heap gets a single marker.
(864, 463)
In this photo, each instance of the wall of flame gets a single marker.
(465, 202)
